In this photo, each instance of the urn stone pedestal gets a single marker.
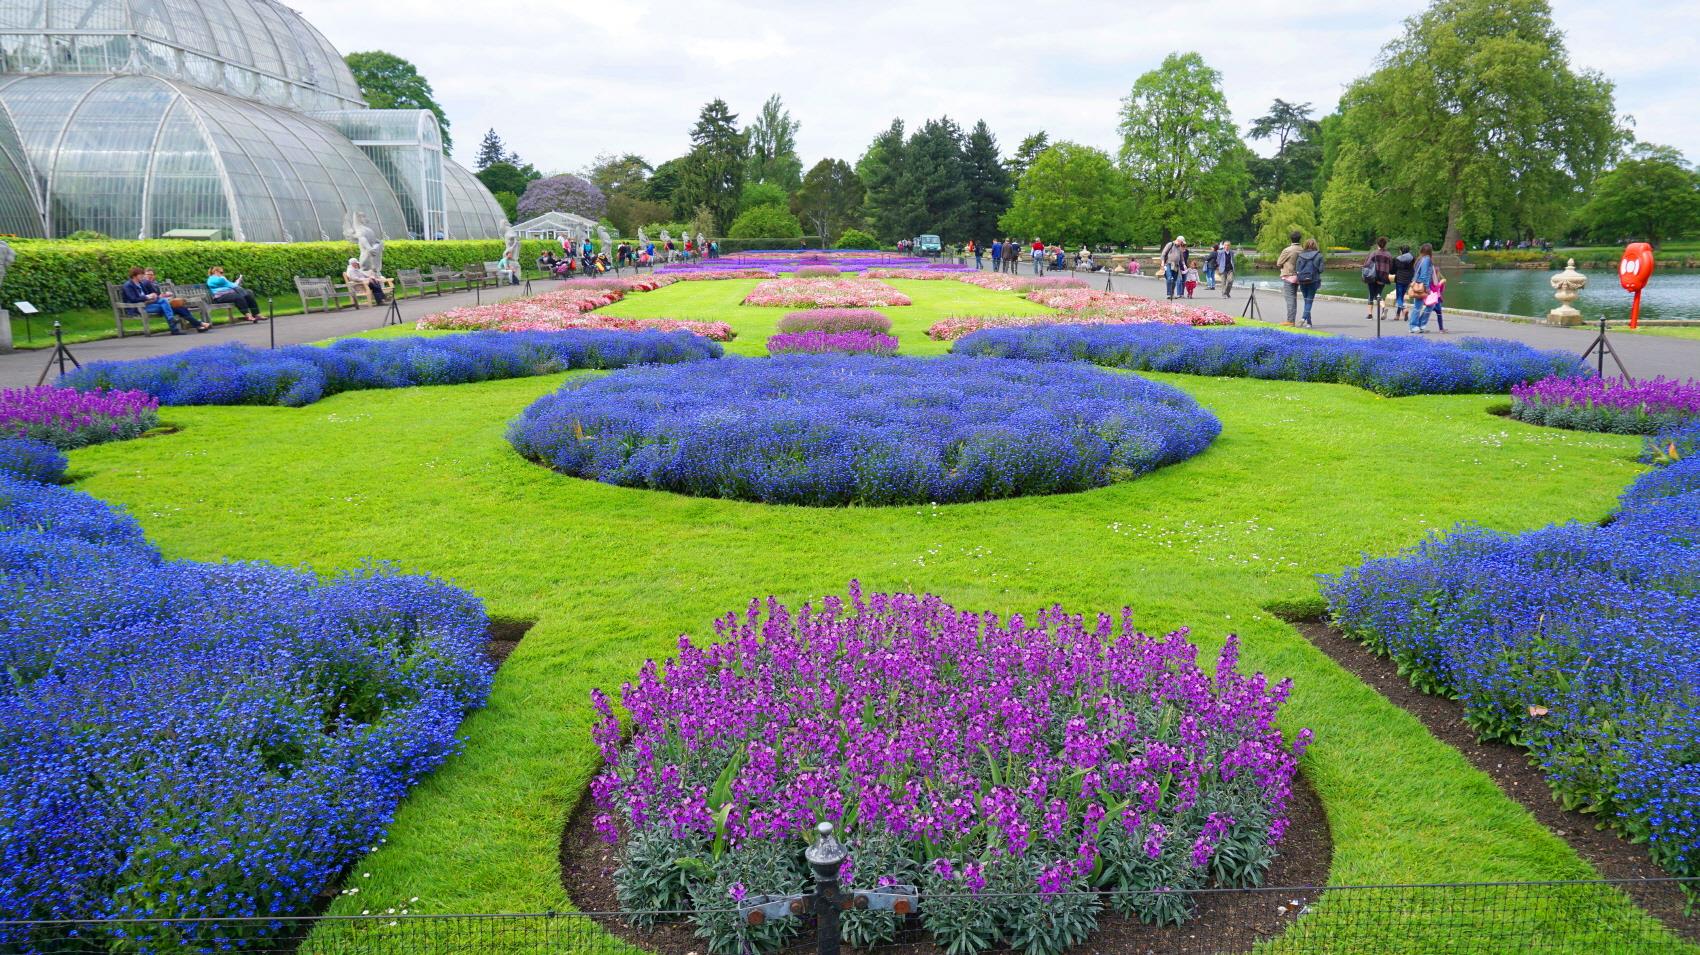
(1566, 285)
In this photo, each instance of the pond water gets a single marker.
(1670, 295)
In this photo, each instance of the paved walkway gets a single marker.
(1643, 355)
(24, 367)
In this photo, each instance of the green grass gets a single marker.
(1304, 479)
(1663, 331)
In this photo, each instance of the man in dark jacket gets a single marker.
(142, 290)
(1378, 270)
(997, 255)
(1404, 266)
(1225, 268)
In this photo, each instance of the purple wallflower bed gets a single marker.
(971, 756)
(1608, 404)
(835, 320)
(68, 418)
(1576, 641)
(1388, 366)
(32, 460)
(835, 430)
(302, 374)
(180, 739)
(831, 343)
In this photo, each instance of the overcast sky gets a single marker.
(562, 82)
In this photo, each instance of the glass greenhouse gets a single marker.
(137, 117)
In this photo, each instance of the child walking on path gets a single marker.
(1191, 280)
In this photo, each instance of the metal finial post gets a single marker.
(826, 857)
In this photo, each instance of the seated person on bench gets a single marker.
(226, 292)
(142, 290)
(355, 275)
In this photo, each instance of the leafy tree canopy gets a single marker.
(616, 174)
(773, 147)
(1277, 219)
(762, 194)
(1181, 148)
(1652, 196)
(988, 185)
(1025, 153)
(766, 222)
(389, 82)
(1072, 194)
(506, 177)
(830, 200)
(564, 193)
(711, 176)
(1475, 121)
(889, 209)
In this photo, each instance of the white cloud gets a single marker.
(564, 82)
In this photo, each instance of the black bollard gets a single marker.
(271, 322)
(826, 857)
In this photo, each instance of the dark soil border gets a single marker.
(504, 636)
(1226, 921)
(1509, 767)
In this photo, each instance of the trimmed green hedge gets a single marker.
(59, 275)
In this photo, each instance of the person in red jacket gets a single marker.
(1038, 256)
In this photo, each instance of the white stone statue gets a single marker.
(511, 248)
(666, 237)
(6, 258)
(356, 229)
(702, 245)
(642, 240)
(604, 244)
(1566, 285)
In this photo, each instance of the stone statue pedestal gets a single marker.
(1566, 285)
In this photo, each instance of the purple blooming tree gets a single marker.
(564, 193)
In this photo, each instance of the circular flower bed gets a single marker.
(835, 320)
(832, 430)
(67, 418)
(1009, 769)
(831, 343)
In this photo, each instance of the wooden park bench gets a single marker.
(123, 311)
(415, 280)
(443, 277)
(326, 293)
(199, 299)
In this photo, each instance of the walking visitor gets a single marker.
(1174, 261)
(1038, 256)
(1421, 276)
(1287, 262)
(1378, 271)
(1011, 255)
(1225, 268)
(1210, 267)
(1191, 280)
(1404, 268)
(1307, 268)
(997, 255)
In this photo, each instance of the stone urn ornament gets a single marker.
(1566, 285)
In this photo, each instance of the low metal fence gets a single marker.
(1584, 918)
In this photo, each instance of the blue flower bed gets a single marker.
(1579, 642)
(1388, 366)
(181, 739)
(32, 460)
(833, 430)
(302, 374)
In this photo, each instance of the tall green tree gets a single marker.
(830, 200)
(663, 186)
(712, 175)
(1654, 195)
(1025, 153)
(614, 174)
(1298, 147)
(1475, 120)
(1276, 220)
(773, 147)
(491, 150)
(1181, 148)
(889, 209)
(988, 185)
(507, 177)
(935, 180)
(1349, 203)
(1072, 194)
(389, 82)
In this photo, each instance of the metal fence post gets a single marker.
(825, 857)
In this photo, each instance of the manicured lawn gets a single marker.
(1666, 331)
(1304, 479)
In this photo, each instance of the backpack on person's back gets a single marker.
(1308, 268)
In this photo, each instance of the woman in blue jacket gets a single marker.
(1422, 275)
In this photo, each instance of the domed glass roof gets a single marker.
(253, 49)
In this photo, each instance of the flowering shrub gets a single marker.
(192, 740)
(1387, 366)
(835, 320)
(825, 293)
(975, 757)
(826, 430)
(534, 311)
(1084, 307)
(827, 343)
(563, 193)
(1607, 404)
(818, 272)
(1576, 642)
(32, 460)
(302, 374)
(68, 418)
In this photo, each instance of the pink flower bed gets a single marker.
(923, 275)
(835, 320)
(1002, 282)
(568, 308)
(1084, 307)
(825, 293)
(818, 272)
(721, 274)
